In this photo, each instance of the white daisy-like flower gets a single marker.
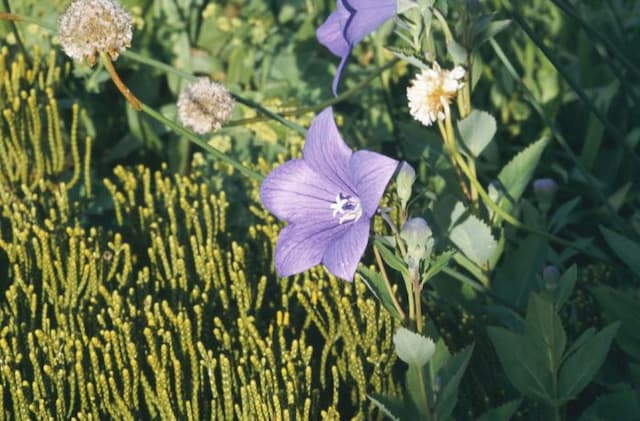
(89, 27)
(431, 92)
(204, 106)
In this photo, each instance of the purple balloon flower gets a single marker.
(328, 198)
(349, 24)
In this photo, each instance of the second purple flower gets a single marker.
(349, 24)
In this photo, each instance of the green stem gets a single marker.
(462, 164)
(591, 181)
(568, 9)
(613, 130)
(204, 145)
(14, 29)
(383, 272)
(186, 75)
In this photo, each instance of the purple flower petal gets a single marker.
(349, 24)
(327, 154)
(331, 32)
(368, 16)
(342, 256)
(339, 71)
(294, 191)
(301, 245)
(371, 172)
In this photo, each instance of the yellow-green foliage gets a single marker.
(164, 314)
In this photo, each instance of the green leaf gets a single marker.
(413, 348)
(523, 363)
(438, 360)
(544, 327)
(561, 216)
(517, 274)
(414, 389)
(472, 236)
(584, 337)
(618, 305)
(619, 405)
(566, 284)
(580, 368)
(476, 131)
(379, 289)
(438, 264)
(451, 375)
(501, 413)
(391, 407)
(458, 52)
(627, 250)
(409, 57)
(486, 30)
(391, 258)
(516, 175)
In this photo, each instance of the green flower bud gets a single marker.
(404, 181)
(419, 240)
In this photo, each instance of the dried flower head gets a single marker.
(431, 93)
(89, 27)
(204, 106)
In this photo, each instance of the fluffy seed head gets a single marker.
(89, 27)
(431, 92)
(204, 106)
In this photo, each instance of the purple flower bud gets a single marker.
(545, 189)
(550, 276)
(545, 186)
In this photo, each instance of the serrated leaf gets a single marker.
(516, 175)
(627, 250)
(579, 369)
(472, 236)
(377, 286)
(413, 348)
(477, 130)
(501, 413)
(408, 56)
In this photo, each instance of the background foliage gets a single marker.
(136, 277)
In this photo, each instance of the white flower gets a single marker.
(89, 27)
(204, 106)
(431, 92)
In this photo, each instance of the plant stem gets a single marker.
(186, 75)
(14, 29)
(450, 148)
(115, 77)
(383, 272)
(204, 145)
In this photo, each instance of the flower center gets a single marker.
(346, 208)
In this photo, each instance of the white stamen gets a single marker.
(347, 208)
